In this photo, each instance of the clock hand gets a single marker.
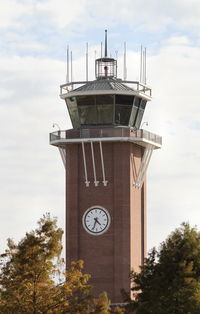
(94, 224)
(98, 221)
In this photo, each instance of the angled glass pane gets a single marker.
(140, 113)
(123, 109)
(134, 112)
(73, 111)
(87, 110)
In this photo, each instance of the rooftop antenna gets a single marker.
(106, 43)
(67, 76)
(86, 61)
(116, 54)
(71, 68)
(145, 65)
(141, 63)
(143, 76)
(125, 70)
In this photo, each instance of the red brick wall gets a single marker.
(108, 257)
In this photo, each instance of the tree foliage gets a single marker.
(169, 281)
(33, 278)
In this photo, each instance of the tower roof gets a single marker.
(104, 84)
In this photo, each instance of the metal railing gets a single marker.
(137, 86)
(103, 133)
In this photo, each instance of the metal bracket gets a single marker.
(87, 183)
(96, 183)
(143, 166)
(63, 155)
(105, 182)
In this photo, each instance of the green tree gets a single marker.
(169, 281)
(27, 268)
(29, 276)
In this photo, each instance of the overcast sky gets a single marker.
(34, 37)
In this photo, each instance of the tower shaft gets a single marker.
(110, 257)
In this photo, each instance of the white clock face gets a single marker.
(96, 220)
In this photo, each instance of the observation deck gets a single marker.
(149, 141)
(105, 134)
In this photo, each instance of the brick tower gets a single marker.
(106, 156)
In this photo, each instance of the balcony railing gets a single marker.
(136, 85)
(103, 133)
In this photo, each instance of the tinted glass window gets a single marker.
(124, 99)
(87, 109)
(123, 109)
(105, 114)
(122, 114)
(140, 113)
(134, 113)
(88, 114)
(95, 110)
(143, 104)
(104, 105)
(73, 111)
(139, 118)
(137, 102)
(104, 99)
(85, 100)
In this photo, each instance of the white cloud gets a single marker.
(10, 12)
(174, 173)
(154, 16)
(62, 13)
(32, 175)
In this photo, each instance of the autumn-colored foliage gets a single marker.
(33, 278)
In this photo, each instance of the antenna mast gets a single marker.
(106, 52)
(143, 65)
(125, 71)
(67, 76)
(71, 68)
(86, 61)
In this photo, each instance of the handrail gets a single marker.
(139, 86)
(103, 133)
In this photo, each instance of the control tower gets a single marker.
(106, 155)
